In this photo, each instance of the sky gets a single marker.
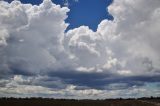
(79, 49)
(86, 14)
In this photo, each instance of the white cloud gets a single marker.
(138, 31)
(85, 44)
(34, 34)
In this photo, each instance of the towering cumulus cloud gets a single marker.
(32, 36)
(38, 58)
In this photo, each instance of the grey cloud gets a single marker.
(103, 80)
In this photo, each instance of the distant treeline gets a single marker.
(41, 98)
(39, 101)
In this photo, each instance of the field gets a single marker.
(64, 102)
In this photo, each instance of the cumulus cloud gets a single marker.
(39, 58)
(137, 29)
(31, 34)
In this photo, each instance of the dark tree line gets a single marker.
(4, 101)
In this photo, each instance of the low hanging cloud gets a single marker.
(37, 54)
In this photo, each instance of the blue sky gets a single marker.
(87, 12)
(109, 50)
(84, 12)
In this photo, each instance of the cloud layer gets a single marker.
(38, 58)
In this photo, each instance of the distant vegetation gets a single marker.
(152, 101)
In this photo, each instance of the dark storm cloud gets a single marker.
(93, 80)
(50, 82)
(102, 80)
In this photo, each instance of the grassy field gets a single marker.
(63, 102)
